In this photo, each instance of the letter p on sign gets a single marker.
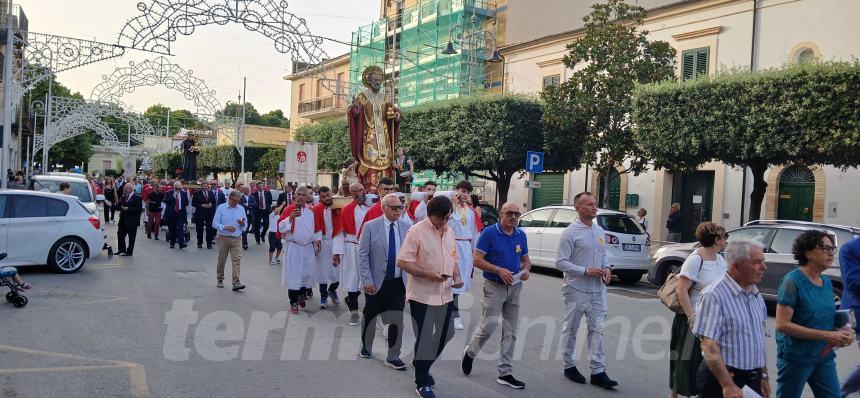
(534, 162)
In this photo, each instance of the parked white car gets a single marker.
(627, 243)
(81, 188)
(39, 228)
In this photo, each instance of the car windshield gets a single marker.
(621, 224)
(79, 188)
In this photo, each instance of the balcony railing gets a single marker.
(323, 106)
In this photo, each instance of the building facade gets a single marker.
(318, 93)
(709, 35)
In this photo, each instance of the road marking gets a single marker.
(137, 373)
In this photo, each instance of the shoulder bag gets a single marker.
(668, 293)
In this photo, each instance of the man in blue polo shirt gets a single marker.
(502, 253)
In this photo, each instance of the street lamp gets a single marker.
(471, 39)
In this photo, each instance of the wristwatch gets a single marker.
(764, 376)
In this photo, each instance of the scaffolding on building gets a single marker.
(409, 48)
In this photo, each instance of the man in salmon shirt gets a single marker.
(429, 256)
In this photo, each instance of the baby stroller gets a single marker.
(6, 275)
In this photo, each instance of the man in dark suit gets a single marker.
(286, 196)
(249, 202)
(176, 214)
(220, 196)
(261, 215)
(384, 282)
(130, 209)
(204, 211)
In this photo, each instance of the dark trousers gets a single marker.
(388, 303)
(121, 232)
(176, 230)
(455, 312)
(260, 225)
(109, 212)
(352, 300)
(433, 330)
(710, 387)
(325, 289)
(296, 294)
(204, 225)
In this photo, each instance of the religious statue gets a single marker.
(145, 162)
(190, 151)
(374, 125)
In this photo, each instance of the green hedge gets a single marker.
(801, 114)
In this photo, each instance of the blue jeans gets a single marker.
(852, 383)
(821, 377)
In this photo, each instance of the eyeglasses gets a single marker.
(514, 214)
(398, 208)
(448, 218)
(827, 248)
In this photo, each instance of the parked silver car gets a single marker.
(627, 243)
(777, 237)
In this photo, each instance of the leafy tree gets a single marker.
(333, 137)
(269, 164)
(484, 136)
(276, 118)
(803, 115)
(219, 159)
(165, 164)
(591, 109)
(156, 115)
(70, 152)
(251, 115)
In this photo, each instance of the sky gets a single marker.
(219, 54)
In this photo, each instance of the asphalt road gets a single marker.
(155, 325)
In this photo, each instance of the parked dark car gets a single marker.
(489, 214)
(777, 237)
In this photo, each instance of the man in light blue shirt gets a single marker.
(230, 220)
(582, 257)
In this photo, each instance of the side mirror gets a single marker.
(100, 198)
(2, 256)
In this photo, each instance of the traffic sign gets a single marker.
(534, 162)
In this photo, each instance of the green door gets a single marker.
(614, 190)
(796, 194)
(695, 193)
(551, 191)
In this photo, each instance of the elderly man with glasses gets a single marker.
(502, 252)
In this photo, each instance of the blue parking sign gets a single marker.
(534, 162)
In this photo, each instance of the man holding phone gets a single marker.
(230, 220)
(502, 252)
(302, 243)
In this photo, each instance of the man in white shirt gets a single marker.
(301, 244)
(230, 220)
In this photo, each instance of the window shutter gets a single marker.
(702, 56)
(687, 70)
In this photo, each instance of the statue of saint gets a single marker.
(374, 125)
(145, 162)
(190, 151)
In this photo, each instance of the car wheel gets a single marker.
(67, 256)
(837, 295)
(667, 269)
(629, 277)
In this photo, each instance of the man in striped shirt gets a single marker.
(730, 321)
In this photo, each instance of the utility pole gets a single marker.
(7, 96)
(242, 130)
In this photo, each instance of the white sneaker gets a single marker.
(379, 324)
(458, 324)
(272, 262)
(277, 260)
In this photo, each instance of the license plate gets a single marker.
(630, 247)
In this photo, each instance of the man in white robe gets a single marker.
(466, 226)
(331, 249)
(301, 244)
(351, 218)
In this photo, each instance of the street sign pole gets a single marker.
(5, 162)
(534, 165)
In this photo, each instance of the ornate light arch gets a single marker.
(157, 72)
(70, 117)
(771, 201)
(161, 22)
